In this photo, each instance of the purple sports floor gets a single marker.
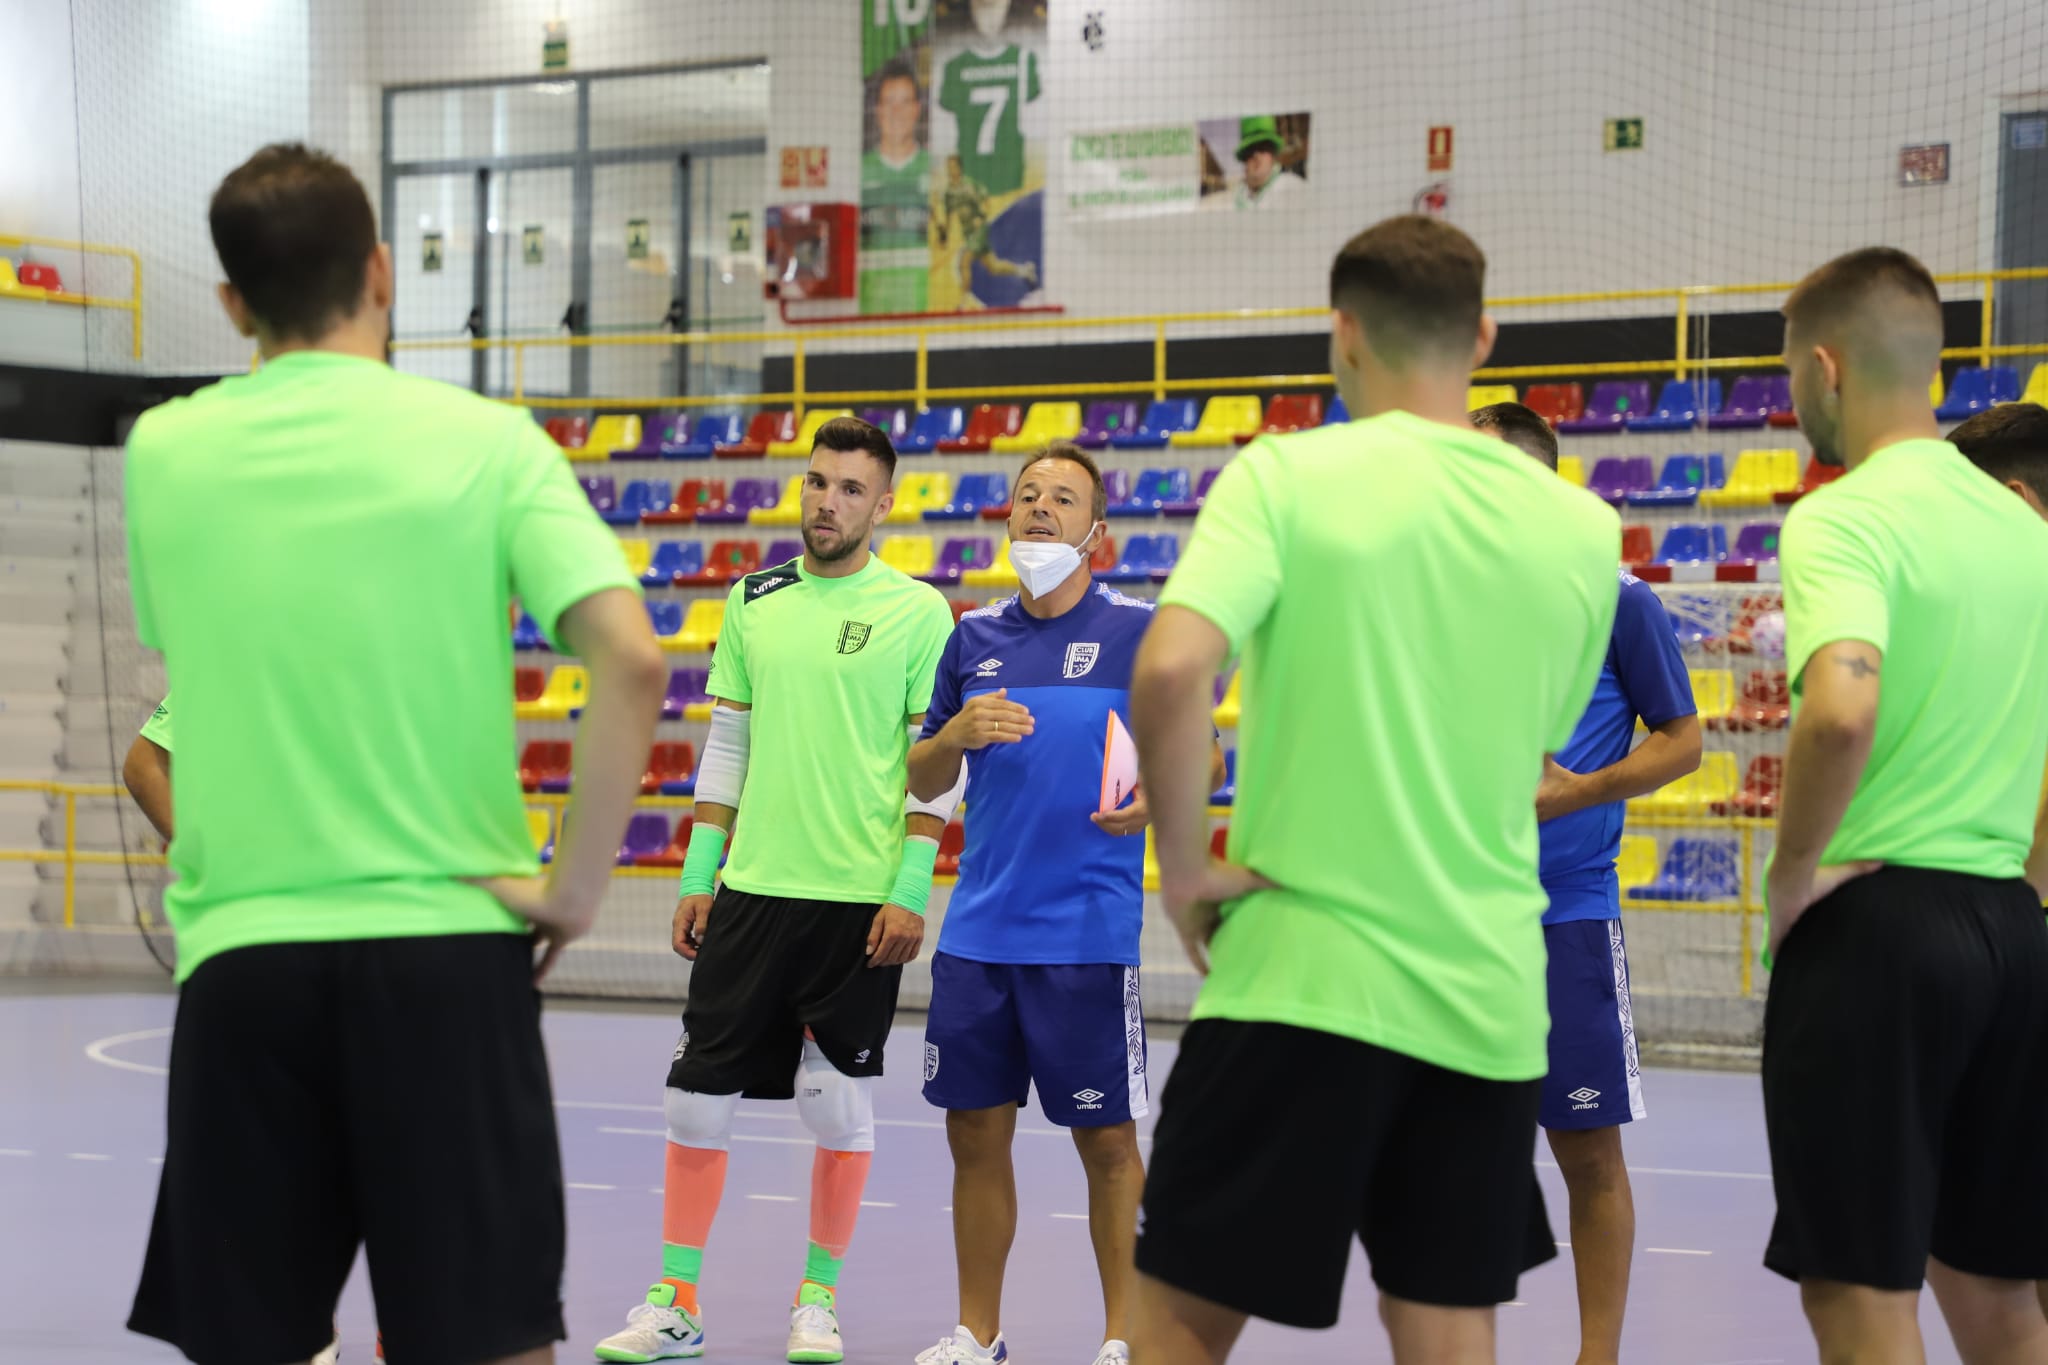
(81, 1130)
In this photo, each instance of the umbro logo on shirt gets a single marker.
(770, 584)
(987, 668)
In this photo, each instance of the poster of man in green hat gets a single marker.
(1270, 152)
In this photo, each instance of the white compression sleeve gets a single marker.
(946, 802)
(722, 772)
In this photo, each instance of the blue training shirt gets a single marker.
(1643, 676)
(1040, 883)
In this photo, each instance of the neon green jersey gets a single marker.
(895, 202)
(834, 668)
(326, 552)
(987, 95)
(1915, 551)
(1421, 612)
(157, 729)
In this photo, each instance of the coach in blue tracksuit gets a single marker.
(1595, 1080)
(1036, 976)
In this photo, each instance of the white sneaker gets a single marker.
(656, 1330)
(1113, 1353)
(962, 1349)
(331, 1354)
(814, 1329)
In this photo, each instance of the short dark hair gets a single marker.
(294, 232)
(1523, 428)
(1072, 454)
(2009, 441)
(1838, 288)
(1416, 284)
(850, 433)
(896, 69)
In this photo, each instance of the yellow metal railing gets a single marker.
(71, 855)
(132, 305)
(803, 343)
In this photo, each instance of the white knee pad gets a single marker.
(703, 1121)
(838, 1109)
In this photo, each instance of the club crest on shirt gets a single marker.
(853, 636)
(1081, 658)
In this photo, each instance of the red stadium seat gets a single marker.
(951, 844)
(678, 845)
(1637, 547)
(1105, 557)
(1556, 403)
(1290, 412)
(37, 275)
(728, 559)
(546, 765)
(692, 496)
(1817, 475)
(989, 421)
(668, 762)
(1758, 798)
(765, 430)
(1765, 703)
(960, 609)
(570, 433)
(528, 684)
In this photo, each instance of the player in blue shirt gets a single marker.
(1595, 1080)
(1036, 976)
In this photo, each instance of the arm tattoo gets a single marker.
(1859, 666)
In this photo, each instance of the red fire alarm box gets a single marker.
(811, 251)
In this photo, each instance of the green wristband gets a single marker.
(913, 888)
(700, 864)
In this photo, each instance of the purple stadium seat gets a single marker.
(602, 492)
(961, 555)
(654, 435)
(646, 836)
(1751, 402)
(1756, 542)
(1614, 478)
(782, 551)
(1610, 407)
(1187, 507)
(894, 422)
(746, 495)
(1106, 421)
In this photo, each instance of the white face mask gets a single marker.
(1043, 565)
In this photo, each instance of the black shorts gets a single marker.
(1293, 1141)
(1906, 1082)
(769, 970)
(388, 1092)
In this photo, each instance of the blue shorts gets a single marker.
(1077, 1032)
(1595, 1080)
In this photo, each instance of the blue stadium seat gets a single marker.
(1679, 407)
(1146, 559)
(1976, 388)
(1695, 870)
(1689, 543)
(1337, 414)
(641, 496)
(1684, 478)
(666, 618)
(1227, 793)
(1162, 420)
(932, 426)
(1153, 492)
(972, 493)
(526, 635)
(673, 560)
(712, 430)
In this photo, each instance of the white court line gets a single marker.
(1073, 1217)
(774, 1198)
(97, 1051)
(576, 1185)
(1676, 1251)
(876, 1204)
(88, 1156)
(15, 1151)
(1679, 1170)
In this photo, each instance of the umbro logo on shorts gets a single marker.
(860, 1056)
(1089, 1099)
(682, 1046)
(1585, 1095)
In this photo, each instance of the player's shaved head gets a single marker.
(1416, 287)
(1878, 307)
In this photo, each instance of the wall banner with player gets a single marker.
(987, 229)
(1255, 161)
(896, 161)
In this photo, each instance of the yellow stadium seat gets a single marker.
(913, 555)
(1935, 392)
(699, 710)
(1572, 469)
(1151, 880)
(918, 494)
(807, 435)
(2037, 386)
(1713, 692)
(1043, 424)
(789, 511)
(613, 432)
(639, 554)
(700, 627)
(1637, 863)
(1224, 420)
(1708, 788)
(1758, 475)
(567, 686)
(1486, 395)
(999, 573)
(539, 828)
(1231, 709)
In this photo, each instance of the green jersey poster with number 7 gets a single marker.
(988, 152)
